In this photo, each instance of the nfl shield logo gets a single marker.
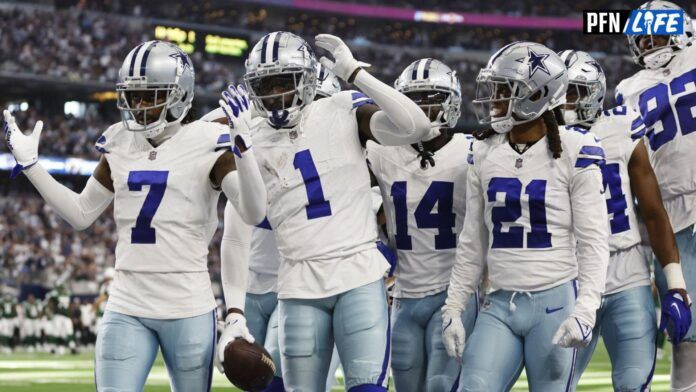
(518, 163)
(153, 155)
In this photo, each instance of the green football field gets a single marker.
(74, 373)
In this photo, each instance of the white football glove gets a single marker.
(25, 148)
(344, 63)
(236, 106)
(453, 333)
(235, 327)
(574, 332)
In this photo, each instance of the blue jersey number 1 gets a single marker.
(143, 233)
(318, 206)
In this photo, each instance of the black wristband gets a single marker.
(235, 310)
(352, 76)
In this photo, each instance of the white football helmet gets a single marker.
(433, 86)
(281, 77)
(587, 86)
(658, 56)
(327, 82)
(520, 82)
(160, 74)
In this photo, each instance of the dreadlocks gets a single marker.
(551, 118)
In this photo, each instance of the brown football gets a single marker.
(248, 365)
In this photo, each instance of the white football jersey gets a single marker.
(165, 208)
(318, 188)
(531, 225)
(264, 260)
(424, 210)
(619, 130)
(664, 98)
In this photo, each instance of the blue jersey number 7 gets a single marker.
(143, 232)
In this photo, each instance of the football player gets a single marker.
(259, 250)
(330, 276)
(663, 95)
(536, 216)
(61, 330)
(31, 330)
(414, 179)
(626, 318)
(8, 322)
(164, 174)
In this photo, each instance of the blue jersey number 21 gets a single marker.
(143, 233)
(539, 236)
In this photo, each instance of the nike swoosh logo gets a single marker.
(551, 310)
(448, 324)
(677, 309)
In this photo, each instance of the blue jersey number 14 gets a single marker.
(440, 193)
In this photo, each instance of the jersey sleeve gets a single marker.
(109, 140)
(351, 99)
(587, 151)
(638, 128)
(373, 157)
(472, 248)
(590, 226)
(220, 135)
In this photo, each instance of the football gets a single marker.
(248, 365)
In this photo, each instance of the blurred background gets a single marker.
(59, 62)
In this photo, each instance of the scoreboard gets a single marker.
(205, 41)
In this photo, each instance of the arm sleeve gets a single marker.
(234, 256)
(245, 188)
(400, 121)
(472, 248)
(79, 210)
(591, 229)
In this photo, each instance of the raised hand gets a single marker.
(25, 148)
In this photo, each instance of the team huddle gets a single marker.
(513, 248)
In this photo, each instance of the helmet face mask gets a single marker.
(281, 77)
(146, 107)
(432, 102)
(156, 93)
(275, 92)
(498, 99)
(584, 99)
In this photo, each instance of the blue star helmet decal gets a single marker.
(535, 62)
(183, 58)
